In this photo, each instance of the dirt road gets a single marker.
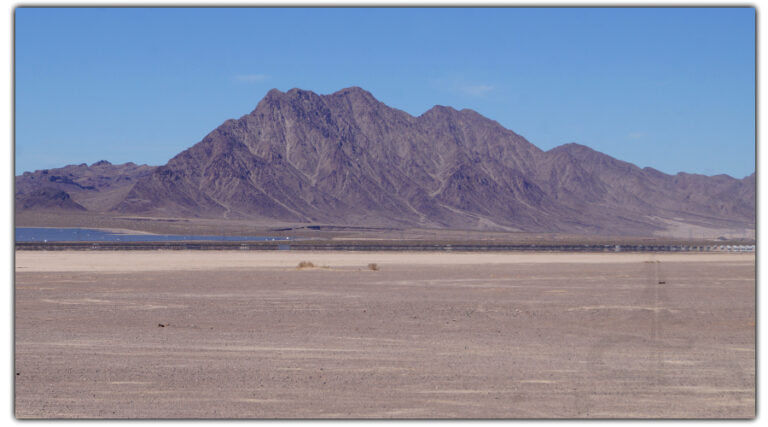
(248, 335)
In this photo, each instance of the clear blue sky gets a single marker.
(673, 89)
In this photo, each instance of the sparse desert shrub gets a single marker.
(373, 267)
(306, 264)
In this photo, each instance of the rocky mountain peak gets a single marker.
(355, 93)
(439, 111)
(346, 158)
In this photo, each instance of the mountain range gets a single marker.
(348, 159)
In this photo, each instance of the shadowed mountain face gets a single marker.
(48, 199)
(348, 159)
(97, 187)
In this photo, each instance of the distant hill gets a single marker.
(348, 159)
(97, 187)
(48, 199)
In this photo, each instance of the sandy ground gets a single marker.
(435, 335)
(173, 260)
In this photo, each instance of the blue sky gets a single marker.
(669, 88)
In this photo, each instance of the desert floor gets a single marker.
(194, 334)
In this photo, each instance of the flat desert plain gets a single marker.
(195, 334)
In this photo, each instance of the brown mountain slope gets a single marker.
(606, 188)
(348, 159)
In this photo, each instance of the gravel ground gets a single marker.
(214, 335)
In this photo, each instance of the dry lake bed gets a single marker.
(198, 334)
